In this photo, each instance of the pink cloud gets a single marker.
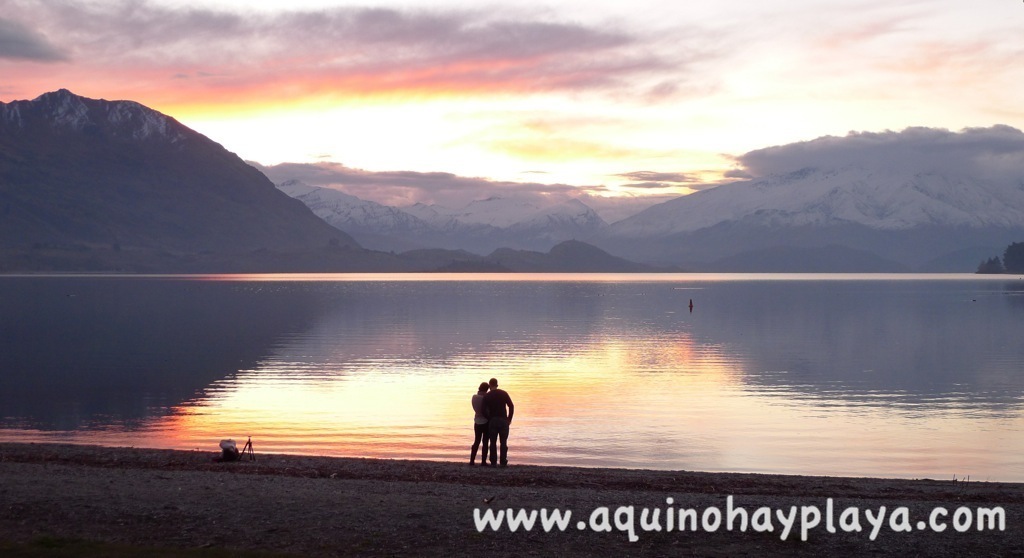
(174, 55)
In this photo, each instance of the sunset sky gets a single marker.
(593, 98)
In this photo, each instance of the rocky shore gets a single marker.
(178, 501)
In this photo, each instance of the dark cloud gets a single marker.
(649, 176)
(650, 180)
(737, 173)
(370, 48)
(405, 188)
(409, 187)
(651, 185)
(973, 150)
(18, 42)
(126, 28)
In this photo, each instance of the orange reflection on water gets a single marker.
(423, 409)
(661, 402)
(601, 375)
(655, 403)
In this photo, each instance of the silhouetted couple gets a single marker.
(491, 422)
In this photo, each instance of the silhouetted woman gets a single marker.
(479, 425)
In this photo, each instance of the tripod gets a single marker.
(248, 450)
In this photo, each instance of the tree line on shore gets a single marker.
(1012, 262)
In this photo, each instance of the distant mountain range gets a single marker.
(480, 227)
(570, 256)
(96, 185)
(112, 185)
(862, 216)
(918, 200)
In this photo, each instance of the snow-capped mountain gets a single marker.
(569, 220)
(374, 225)
(513, 214)
(853, 194)
(481, 226)
(571, 215)
(437, 216)
(348, 212)
(495, 211)
(64, 109)
(921, 199)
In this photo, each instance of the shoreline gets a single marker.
(388, 469)
(313, 505)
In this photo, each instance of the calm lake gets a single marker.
(890, 376)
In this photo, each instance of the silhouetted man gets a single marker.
(495, 403)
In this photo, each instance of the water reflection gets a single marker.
(96, 352)
(884, 378)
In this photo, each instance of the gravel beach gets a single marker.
(324, 506)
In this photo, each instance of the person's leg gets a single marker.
(478, 433)
(503, 433)
(492, 435)
(486, 436)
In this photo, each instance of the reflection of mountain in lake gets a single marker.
(392, 327)
(885, 343)
(92, 352)
(875, 342)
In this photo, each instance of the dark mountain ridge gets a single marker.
(570, 256)
(129, 185)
